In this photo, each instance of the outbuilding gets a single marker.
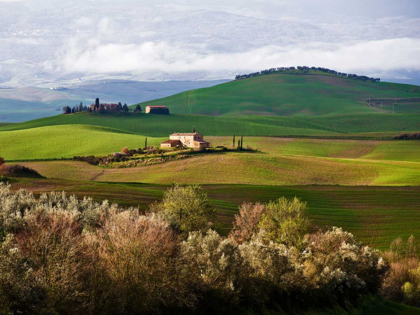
(171, 144)
(152, 109)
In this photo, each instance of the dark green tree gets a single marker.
(125, 108)
(138, 109)
(66, 110)
(145, 143)
(233, 145)
(242, 142)
(81, 107)
(119, 107)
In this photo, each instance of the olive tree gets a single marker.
(186, 208)
(284, 221)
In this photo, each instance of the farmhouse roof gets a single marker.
(156, 106)
(186, 134)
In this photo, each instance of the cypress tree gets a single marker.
(242, 142)
(145, 143)
(233, 145)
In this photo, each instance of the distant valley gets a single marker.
(28, 103)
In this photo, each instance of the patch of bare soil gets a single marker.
(333, 80)
(356, 152)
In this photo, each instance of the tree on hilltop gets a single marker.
(66, 110)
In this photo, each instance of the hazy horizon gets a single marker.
(49, 42)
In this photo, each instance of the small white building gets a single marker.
(190, 140)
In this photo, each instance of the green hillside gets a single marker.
(271, 105)
(289, 95)
(66, 142)
(162, 126)
(279, 162)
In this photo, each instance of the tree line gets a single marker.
(304, 69)
(101, 108)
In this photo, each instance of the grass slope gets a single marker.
(66, 142)
(370, 125)
(287, 95)
(281, 161)
(376, 215)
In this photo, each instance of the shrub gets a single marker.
(18, 171)
(402, 281)
(246, 222)
(135, 256)
(52, 244)
(215, 267)
(21, 292)
(125, 151)
(340, 267)
(1, 161)
(285, 221)
(62, 255)
(186, 208)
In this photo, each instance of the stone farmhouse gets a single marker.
(190, 140)
(162, 110)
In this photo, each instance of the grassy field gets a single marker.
(66, 142)
(376, 215)
(287, 105)
(287, 95)
(272, 105)
(279, 161)
(368, 125)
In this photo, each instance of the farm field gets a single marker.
(361, 185)
(309, 136)
(66, 142)
(376, 215)
(279, 161)
(352, 125)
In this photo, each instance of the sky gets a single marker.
(49, 42)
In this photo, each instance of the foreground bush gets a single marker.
(402, 283)
(18, 171)
(61, 255)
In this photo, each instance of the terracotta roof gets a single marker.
(156, 106)
(186, 134)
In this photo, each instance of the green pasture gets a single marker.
(277, 161)
(287, 95)
(66, 141)
(341, 126)
(376, 215)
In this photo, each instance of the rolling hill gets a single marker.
(290, 95)
(288, 105)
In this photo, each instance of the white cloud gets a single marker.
(367, 56)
